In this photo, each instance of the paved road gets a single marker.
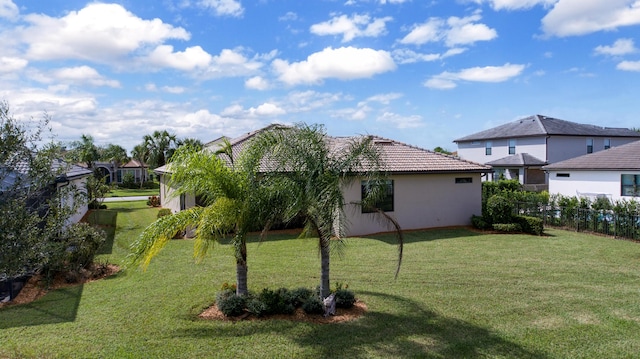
(122, 199)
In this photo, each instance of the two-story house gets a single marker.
(519, 149)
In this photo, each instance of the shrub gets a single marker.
(313, 305)
(499, 209)
(231, 305)
(256, 307)
(300, 295)
(153, 201)
(531, 225)
(164, 212)
(507, 227)
(345, 298)
(151, 185)
(479, 222)
(128, 180)
(277, 302)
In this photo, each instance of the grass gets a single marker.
(126, 192)
(460, 294)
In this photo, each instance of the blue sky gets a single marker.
(421, 72)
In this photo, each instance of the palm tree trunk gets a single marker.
(241, 266)
(325, 244)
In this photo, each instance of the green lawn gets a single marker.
(126, 192)
(459, 295)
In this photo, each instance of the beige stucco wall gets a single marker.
(168, 199)
(420, 201)
(78, 184)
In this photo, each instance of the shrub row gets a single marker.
(279, 301)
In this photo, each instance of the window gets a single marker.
(589, 145)
(464, 180)
(487, 148)
(385, 201)
(630, 185)
(607, 143)
(512, 147)
(563, 175)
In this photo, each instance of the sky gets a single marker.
(417, 71)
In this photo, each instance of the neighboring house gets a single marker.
(612, 174)
(428, 189)
(74, 175)
(113, 174)
(519, 149)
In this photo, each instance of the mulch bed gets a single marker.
(342, 315)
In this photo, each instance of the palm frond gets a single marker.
(159, 233)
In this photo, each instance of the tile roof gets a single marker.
(624, 157)
(21, 170)
(519, 160)
(539, 125)
(398, 157)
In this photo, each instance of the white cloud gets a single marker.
(189, 59)
(223, 7)
(406, 56)
(619, 47)
(12, 64)
(231, 63)
(385, 98)
(464, 31)
(400, 121)
(580, 17)
(173, 89)
(629, 66)
(83, 75)
(453, 31)
(99, 32)
(352, 27)
(266, 109)
(305, 101)
(257, 83)
(289, 16)
(345, 63)
(8, 10)
(448, 80)
(516, 4)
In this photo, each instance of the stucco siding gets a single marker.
(168, 199)
(565, 147)
(78, 184)
(476, 151)
(589, 183)
(420, 201)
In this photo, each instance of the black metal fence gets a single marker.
(607, 222)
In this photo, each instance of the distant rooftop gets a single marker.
(539, 125)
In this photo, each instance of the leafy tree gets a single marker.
(442, 150)
(115, 154)
(84, 151)
(158, 148)
(236, 199)
(314, 173)
(34, 211)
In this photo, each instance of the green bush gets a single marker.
(277, 302)
(164, 212)
(231, 305)
(345, 298)
(479, 222)
(313, 305)
(256, 307)
(531, 225)
(507, 227)
(128, 180)
(151, 185)
(499, 209)
(300, 295)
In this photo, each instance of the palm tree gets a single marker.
(237, 200)
(84, 151)
(159, 147)
(316, 168)
(115, 154)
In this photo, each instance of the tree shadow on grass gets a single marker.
(427, 235)
(105, 220)
(412, 332)
(58, 306)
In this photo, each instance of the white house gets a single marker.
(613, 174)
(520, 148)
(427, 189)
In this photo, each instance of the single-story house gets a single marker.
(427, 189)
(73, 175)
(612, 173)
(116, 174)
